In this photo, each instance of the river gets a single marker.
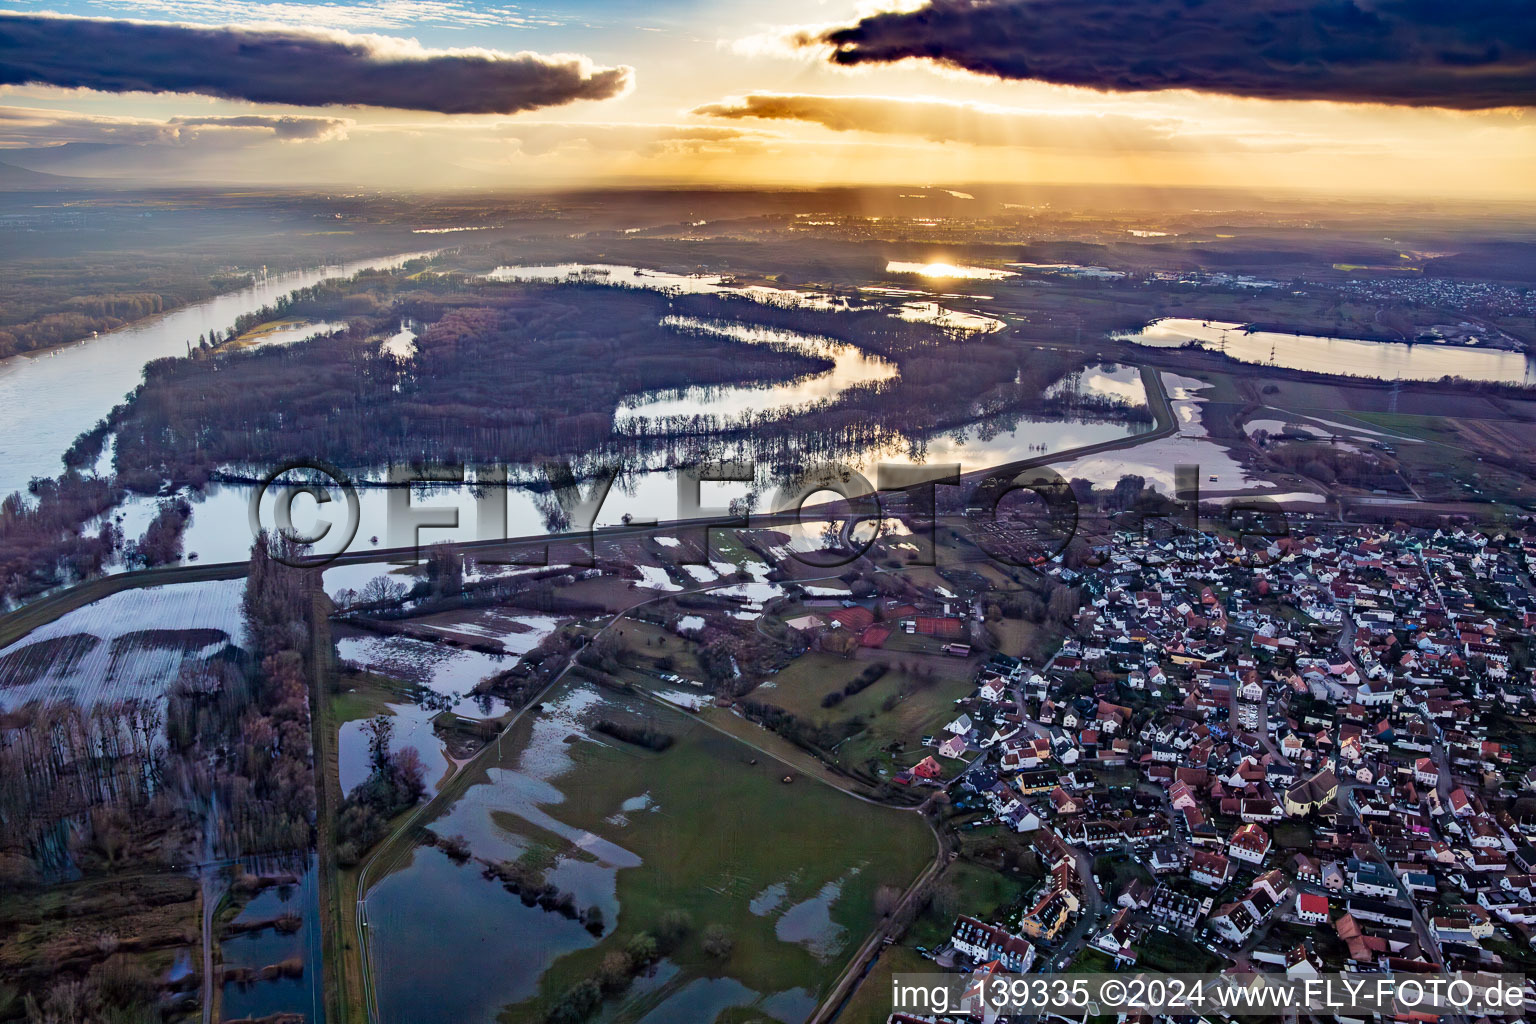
(47, 399)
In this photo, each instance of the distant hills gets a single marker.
(16, 178)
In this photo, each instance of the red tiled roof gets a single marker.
(928, 768)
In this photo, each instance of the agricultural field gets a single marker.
(129, 644)
(871, 1002)
(640, 834)
(915, 698)
(449, 672)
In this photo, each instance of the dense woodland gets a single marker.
(479, 389)
(43, 306)
(47, 541)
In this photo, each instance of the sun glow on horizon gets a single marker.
(949, 271)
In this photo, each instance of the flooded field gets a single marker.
(129, 644)
(638, 836)
(446, 675)
(219, 530)
(715, 284)
(1155, 460)
(272, 961)
(1381, 360)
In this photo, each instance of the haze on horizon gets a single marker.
(1398, 97)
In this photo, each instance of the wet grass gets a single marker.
(722, 828)
(922, 706)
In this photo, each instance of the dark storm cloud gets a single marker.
(290, 66)
(1467, 54)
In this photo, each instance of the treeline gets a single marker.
(47, 542)
(1331, 464)
(804, 734)
(640, 735)
(264, 785)
(869, 677)
(161, 542)
(397, 780)
(526, 880)
(623, 964)
(101, 766)
(61, 321)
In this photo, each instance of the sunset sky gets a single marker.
(1388, 96)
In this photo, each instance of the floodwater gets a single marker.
(47, 399)
(704, 999)
(810, 923)
(438, 913)
(519, 810)
(446, 671)
(412, 725)
(948, 271)
(127, 644)
(474, 916)
(402, 344)
(852, 367)
(714, 284)
(260, 949)
(1354, 357)
(292, 333)
(948, 319)
(1156, 460)
(618, 276)
(220, 531)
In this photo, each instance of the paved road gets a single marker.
(1088, 916)
(1421, 928)
(853, 975)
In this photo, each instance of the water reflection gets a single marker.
(948, 271)
(851, 367)
(47, 399)
(1354, 357)
(618, 276)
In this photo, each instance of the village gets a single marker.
(1187, 750)
(1309, 757)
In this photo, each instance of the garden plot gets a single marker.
(128, 644)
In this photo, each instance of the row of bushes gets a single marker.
(640, 735)
(620, 967)
(869, 677)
